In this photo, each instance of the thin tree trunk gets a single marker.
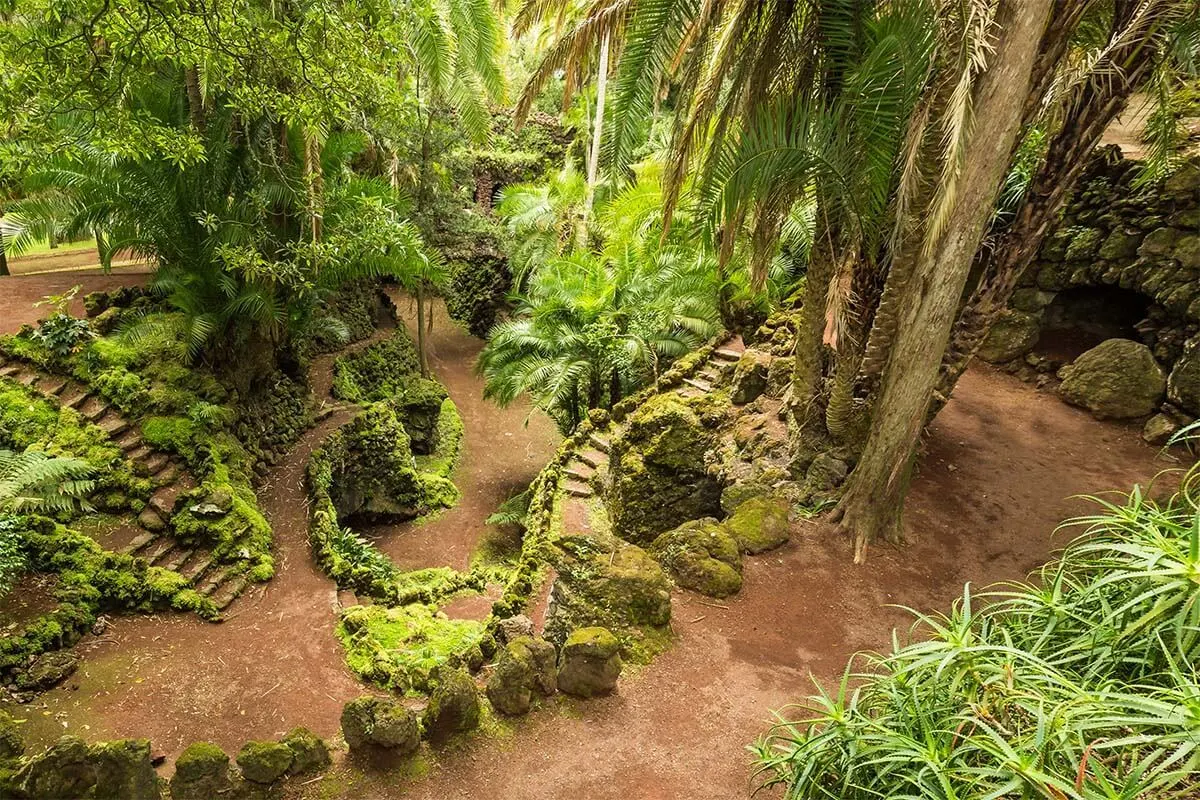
(421, 331)
(593, 165)
(102, 250)
(195, 98)
(3, 255)
(808, 367)
(874, 498)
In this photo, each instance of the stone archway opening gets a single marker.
(1080, 318)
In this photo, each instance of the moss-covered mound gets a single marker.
(657, 475)
(378, 371)
(702, 556)
(760, 523)
(399, 648)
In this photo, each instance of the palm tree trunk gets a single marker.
(593, 166)
(874, 498)
(808, 367)
(421, 331)
(195, 98)
(102, 250)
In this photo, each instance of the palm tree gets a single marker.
(543, 219)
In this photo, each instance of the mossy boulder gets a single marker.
(264, 762)
(603, 580)
(590, 663)
(376, 475)
(750, 377)
(779, 375)
(309, 751)
(525, 665)
(379, 722)
(657, 473)
(201, 773)
(64, 770)
(420, 405)
(702, 556)
(124, 770)
(453, 705)
(1183, 386)
(760, 524)
(11, 744)
(1117, 379)
(1013, 335)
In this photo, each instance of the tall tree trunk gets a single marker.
(593, 165)
(808, 366)
(3, 255)
(421, 357)
(874, 498)
(1102, 98)
(315, 181)
(102, 250)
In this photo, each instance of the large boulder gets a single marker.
(657, 473)
(590, 663)
(524, 666)
(379, 722)
(603, 580)
(453, 705)
(760, 524)
(264, 762)
(1013, 335)
(374, 474)
(749, 377)
(702, 556)
(420, 406)
(1183, 387)
(64, 770)
(48, 670)
(124, 770)
(1117, 379)
(201, 773)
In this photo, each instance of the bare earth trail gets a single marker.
(1001, 464)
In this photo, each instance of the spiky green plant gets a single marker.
(1081, 684)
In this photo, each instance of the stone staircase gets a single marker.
(221, 582)
(577, 477)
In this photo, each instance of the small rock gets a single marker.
(512, 628)
(309, 751)
(1159, 429)
(201, 773)
(381, 722)
(1013, 335)
(1117, 379)
(264, 762)
(590, 663)
(208, 510)
(702, 556)
(525, 665)
(48, 670)
(151, 521)
(760, 524)
(749, 377)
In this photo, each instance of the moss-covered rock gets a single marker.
(201, 773)
(264, 762)
(1013, 335)
(702, 556)
(603, 580)
(1117, 379)
(657, 473)
(124, 770)
(11, 744)
(779, 375)
(524, 666)
(1183, 386)
(750, 377)
(377, 372)
(453, 705)
(760, 524)
(420, 405)
(309, 751)
(590, 663)
(64, 770)
(380, 722)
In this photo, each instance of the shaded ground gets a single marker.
(1001, 462)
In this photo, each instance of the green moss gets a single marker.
(398, 648)
(376, 372)
(760, 523)
(702, 556)
(173, 434)
(265, 761)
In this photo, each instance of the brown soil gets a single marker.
(30, 597)
(18, 293)
(1001, 464)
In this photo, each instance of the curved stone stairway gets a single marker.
(221, 582)
(711, 376)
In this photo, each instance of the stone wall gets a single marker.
(1115, 235)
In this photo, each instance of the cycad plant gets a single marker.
(1084, 684)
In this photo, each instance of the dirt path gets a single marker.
(18, 293)
(1001, 464)
(501, 455)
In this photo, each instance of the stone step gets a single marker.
(599, 444)
(27, 378)
(130, 440)
(709, 375)
(168, 474)
(346, 598)
(151, 520)
(592, 458)
(196, 566)
(75, 400)
(163, 500)
(212, 580)
(138, 453)
(9, 370)
(139, 542)
(576, 489)
(179, 555)
(229, 592)
(51, 386)
(155, 552)
(93, 409)
(155, 462)
(691, 391)
(701, 385)
(727, 355)
(583, 475)
(113, 424)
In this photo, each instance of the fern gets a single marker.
(36, 482)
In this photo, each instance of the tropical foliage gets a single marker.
(35, 482)
(1081, 684)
